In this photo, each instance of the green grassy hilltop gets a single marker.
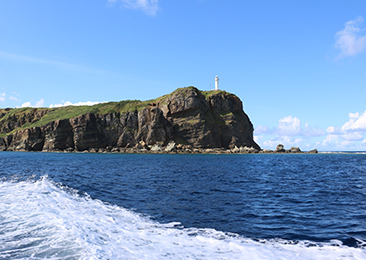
(23, 118)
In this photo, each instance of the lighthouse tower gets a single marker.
(216, 83)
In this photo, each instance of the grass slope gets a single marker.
(53, 114)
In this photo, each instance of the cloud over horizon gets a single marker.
(290, 132)
(352, 39)
(150, 7)
(2, 96)
(289, 126)
(39, 103)
(352, 132)
(68, 103)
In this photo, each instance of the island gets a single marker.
(187, 120)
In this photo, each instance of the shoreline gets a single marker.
(186, 151)
(173, 148)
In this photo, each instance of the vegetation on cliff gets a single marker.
(28, 117)
(35, 117)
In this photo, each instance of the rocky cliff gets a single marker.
(187, 117)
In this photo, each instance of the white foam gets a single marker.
(39, 219)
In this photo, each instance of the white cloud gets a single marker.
(356, 122)
(39, 103)
(287, 141)
(68, 103)
(2, 96)
(349, 41)
(311, 132)
(289, 126)
(26, 104)
(350, 136)
(150, 7)
(263, 130)
(257, 138)
(14, 98)
(330, 140)
(289, 132)
(346, 143)
(331, 130)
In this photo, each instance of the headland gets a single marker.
(187, 120)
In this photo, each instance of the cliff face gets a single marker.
(187, 116)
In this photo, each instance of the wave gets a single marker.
(41, 219)
(342, 152)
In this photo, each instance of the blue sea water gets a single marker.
(164, 206)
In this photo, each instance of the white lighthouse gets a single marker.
(216, 83)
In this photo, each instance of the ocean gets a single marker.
(167, 206)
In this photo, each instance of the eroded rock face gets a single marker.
(31, 139)
(184, 117)
(58, 136)
(280, 148)
(215, 121)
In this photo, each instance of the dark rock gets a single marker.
(142, 145)
(3, 145)
(295, 150)
(31, 139)
(87, 132)
(58, 136)
(280, 149)
(313, 151)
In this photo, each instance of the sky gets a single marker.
(298, 66)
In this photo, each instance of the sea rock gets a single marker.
(265, 151)
(235, 150)
(115, 150)
(313, 151)
(156, 148)
(142, 145)
(246, 149)
(295, 150)
(280, 149)
(170, 147)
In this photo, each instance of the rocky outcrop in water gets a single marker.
(187, 118)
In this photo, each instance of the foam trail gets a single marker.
(40, 219)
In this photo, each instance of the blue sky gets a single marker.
(298, 66)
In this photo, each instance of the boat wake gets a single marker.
(41, 219)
